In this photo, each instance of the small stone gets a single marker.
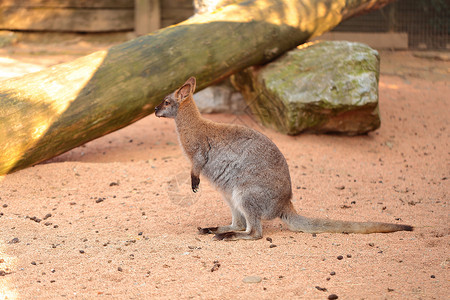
(5, 205)
(332, 297)
(215, 267)
(82, 251)
(340, 257)
(99, 200)
(33, 263)
(47, 216)
(433, 276)
(120, 269)
(321, 289)
(332, 273)
(349, 255)
(14, 241)
(340, 187)
(252, 279)
(269, 239)
(272, 246)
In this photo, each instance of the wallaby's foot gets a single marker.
(220, 229)
(207, 230)
(233, 236)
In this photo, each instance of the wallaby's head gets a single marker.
(169, 107)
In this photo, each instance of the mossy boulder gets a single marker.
(320, 87)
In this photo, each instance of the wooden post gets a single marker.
(147, 16)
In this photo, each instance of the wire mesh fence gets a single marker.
(427, 22)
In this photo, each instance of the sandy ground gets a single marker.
(116, 218)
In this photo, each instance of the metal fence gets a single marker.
(427, 22)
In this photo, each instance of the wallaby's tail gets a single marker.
(313, 225)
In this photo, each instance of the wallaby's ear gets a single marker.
(186, 89)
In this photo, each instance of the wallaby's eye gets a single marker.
(166, 102)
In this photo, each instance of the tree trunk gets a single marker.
(47, 113)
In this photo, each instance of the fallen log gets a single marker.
(47, 113)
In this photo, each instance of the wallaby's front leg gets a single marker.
(198, 161)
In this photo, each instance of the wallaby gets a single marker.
(248, 169)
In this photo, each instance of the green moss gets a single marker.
(313, 87)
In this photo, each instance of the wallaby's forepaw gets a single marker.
(195, 181)
(207, 230)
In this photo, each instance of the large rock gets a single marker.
(320, 87)
(220, 98)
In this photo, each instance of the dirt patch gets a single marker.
(116, 218)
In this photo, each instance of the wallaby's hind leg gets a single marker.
(252, 232)
(238, 224)
(252, 215)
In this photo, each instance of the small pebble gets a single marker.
(333, 297)
(5, 205)
(432, 276)
(252, 279)
(120, 269)
(321, 289)
(332, 273)
(340, 257)
(269, 239)
(14, 241)
(272, 246)
(33, 263)
(81, 251)
(215, 267)
(349, 255)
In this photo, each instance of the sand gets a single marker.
(116, 218)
